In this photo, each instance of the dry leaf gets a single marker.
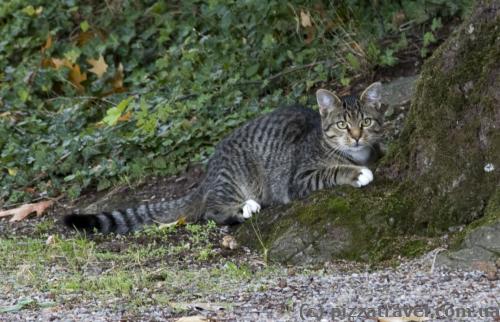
(125, 117)
(398, 18)
(194, 318)
(229, 242)
(310, 35)
(58, 63)
(117, 81)
(403, 319)
(48, 43)
(84, 37)
(305, 19)
(22, 212)
(99, 66)
(77, 77)
(30, 190)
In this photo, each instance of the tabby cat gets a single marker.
(280, 156)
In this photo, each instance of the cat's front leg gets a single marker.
(316, 179)
(355, 176)
(362, 177)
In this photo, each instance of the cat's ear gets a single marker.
(327, 101)
(372, 95)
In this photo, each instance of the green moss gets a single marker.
(491, 215)
(414, 248)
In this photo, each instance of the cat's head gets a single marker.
(350, 123)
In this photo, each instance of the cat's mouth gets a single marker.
(356, 148)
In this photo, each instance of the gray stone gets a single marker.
(399, 91)
(487, 237)
(464, 258)
(482, 245)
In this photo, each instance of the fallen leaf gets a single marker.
(84, 37)
(229, 242)
(305, 19)
(99, 66)
(22, 212)
(194, 318)
(77, 77)
(58, 63)
(117, 81)
(48, 43)
(30, 190)
(125, 117)
(398, 18)
(310, 35)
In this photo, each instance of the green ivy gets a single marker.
(179, 76)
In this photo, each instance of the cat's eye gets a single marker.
(342, 125)
(367, 122)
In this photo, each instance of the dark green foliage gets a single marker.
(192, 71)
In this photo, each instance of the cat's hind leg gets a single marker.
(234, 213)
(249, 208)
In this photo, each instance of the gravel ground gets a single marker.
(328, 293)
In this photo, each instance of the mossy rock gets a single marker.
(441, 172)
(346, 223)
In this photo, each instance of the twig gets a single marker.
(437, 251)
(288, 71)
(96, 98)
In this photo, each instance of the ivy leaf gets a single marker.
(84, 26)
(353, 61)
(31, 11)
(252, 70)
(114, 113)
(436, 24)
(429, 38)
(72, 55)
(99, 66)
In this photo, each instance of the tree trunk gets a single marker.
(443, 171)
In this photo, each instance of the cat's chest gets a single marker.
(361, 156)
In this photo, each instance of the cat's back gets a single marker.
(289, 124)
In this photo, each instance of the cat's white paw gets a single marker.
(364, 178)
(249, 208)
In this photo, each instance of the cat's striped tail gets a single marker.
(131, 219)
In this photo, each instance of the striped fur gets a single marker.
(280, 156)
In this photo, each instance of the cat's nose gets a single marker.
(355, 134)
